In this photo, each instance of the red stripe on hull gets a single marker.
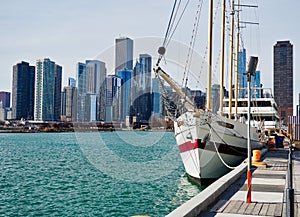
(188, 146)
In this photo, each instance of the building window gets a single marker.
(283, 55)
(283, 114)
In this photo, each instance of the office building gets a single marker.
(157, 97)
(91, 86)
(125, 99)
(123, 54)
(47, 106)
(23, 91)
(283, 79)
(81, 90)
(2, 111)
(5, 98)
(57, 92)
(113, 94)
(69, 102)
(96, 86)
(242, 73)
(71, 82)
(142, 94)
(255, 84)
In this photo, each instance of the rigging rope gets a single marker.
(219, 155)
(192, 44)
(171, 29)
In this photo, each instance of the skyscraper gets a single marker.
(91, 90)
(123, 54)
(5, 98)
(283, 78)
(81, 90)
(156, 96)
(113, 94)
(125, 99)
(71, 82)
(142, 96)
(57, 92)
(255, 83)
(96, 87)
(23, 91)
(242, 73)
(47, 91)
(69, 111)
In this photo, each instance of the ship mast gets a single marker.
(209, 61)
(231, 59)
(237, 62)
(222, 58)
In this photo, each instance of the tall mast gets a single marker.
(231, 59)
(237, 62)
(210, 28)
(222, 57)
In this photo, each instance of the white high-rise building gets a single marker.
(47, 89)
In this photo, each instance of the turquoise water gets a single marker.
(91, 174)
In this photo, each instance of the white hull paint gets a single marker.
(200, 136)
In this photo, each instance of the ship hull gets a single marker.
(211, 145)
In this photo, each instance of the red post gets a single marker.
(249, 176)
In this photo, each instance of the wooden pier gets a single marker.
(268, 192)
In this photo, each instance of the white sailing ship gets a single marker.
(209, 144)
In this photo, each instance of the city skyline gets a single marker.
(70, 44)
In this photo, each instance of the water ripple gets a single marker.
(48, 175)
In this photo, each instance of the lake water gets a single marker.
(120, 173)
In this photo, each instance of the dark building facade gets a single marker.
(57, 92)
(5, 98)
(23, 91)
(142, 93)
(283, 79)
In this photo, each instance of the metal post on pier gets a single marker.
(251, 71)
(290, 190)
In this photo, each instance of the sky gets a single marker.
(72, 31)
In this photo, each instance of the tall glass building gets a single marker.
(57, 92)
(5, 98)
(69, 108)
(47, 106)
(71, 82)
(113, 94)
(91, 86)
(142, 95)
(156, 96)
(125, 100)
(23, 91)
(123, 54)
(96, 86)
(81, 90)
(242, 74)
(283, 79)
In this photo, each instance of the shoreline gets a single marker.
(74, 130)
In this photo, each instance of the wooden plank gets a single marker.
(237, 206)
(278, 209)
(242, 208)
(229, 207)
(257, 208)
(271, 210)
(219, 206)
(250, 208)
(264, 209)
